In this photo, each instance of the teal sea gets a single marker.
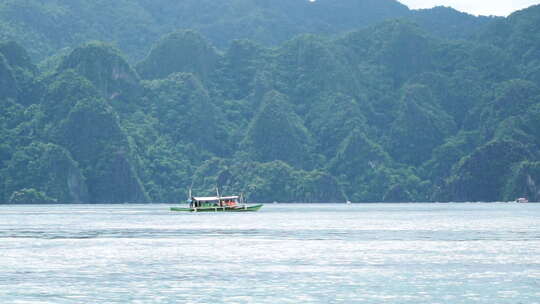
(299, 253)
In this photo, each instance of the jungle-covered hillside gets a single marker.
(283, 100)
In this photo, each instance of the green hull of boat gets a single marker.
(219, 209)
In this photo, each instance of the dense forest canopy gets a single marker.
(288, 100)
(54, 27)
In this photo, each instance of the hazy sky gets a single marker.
(475, 7)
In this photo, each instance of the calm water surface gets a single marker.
(373, 253)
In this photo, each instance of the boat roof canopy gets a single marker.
(229, 197)
(214, 198)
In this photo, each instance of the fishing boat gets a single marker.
(217, 204)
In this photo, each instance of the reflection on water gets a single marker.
(377, 253)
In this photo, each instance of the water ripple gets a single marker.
(414, 253)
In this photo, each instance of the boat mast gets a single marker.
(190, 198)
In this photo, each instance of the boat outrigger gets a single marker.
(217, 204)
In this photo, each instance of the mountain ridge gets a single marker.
(135, 25)
(384, 113)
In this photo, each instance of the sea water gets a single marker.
(300, 253)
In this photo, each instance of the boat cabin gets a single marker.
(213, 201)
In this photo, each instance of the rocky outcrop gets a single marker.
(277, 133)
(117, 181)
(92, 134)
(182, 51)
(47, 168)
(481, 176)
(524, 182)
(105, 67)
(8, 85)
